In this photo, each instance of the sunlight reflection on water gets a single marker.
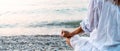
(16, 15)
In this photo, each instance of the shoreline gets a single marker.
(31, 31)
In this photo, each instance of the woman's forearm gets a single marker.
(77, 31)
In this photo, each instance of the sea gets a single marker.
(40, 17)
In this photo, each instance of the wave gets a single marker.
(7, 25)
(55, 24)
(65, 24)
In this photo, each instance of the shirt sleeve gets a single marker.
(91, 22)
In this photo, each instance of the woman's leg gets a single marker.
(80, 44)
(76, 42)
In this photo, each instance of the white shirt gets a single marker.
(103, 24)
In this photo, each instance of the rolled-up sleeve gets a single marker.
(91, 22)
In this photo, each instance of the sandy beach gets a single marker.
(33, 43)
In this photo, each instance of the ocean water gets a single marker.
(31, 17)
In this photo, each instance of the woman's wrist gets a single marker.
(72, 34)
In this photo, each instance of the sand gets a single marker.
(33, 43)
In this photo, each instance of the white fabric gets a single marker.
(103, 24)
(76, 40)
(81, 44)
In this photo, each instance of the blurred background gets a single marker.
(43, 17)
(35, 25)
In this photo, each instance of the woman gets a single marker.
(103, 25)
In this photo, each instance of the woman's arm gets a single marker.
(68, 34)
(77, 31)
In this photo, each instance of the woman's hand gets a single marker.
(66, 34)
(68, 41)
